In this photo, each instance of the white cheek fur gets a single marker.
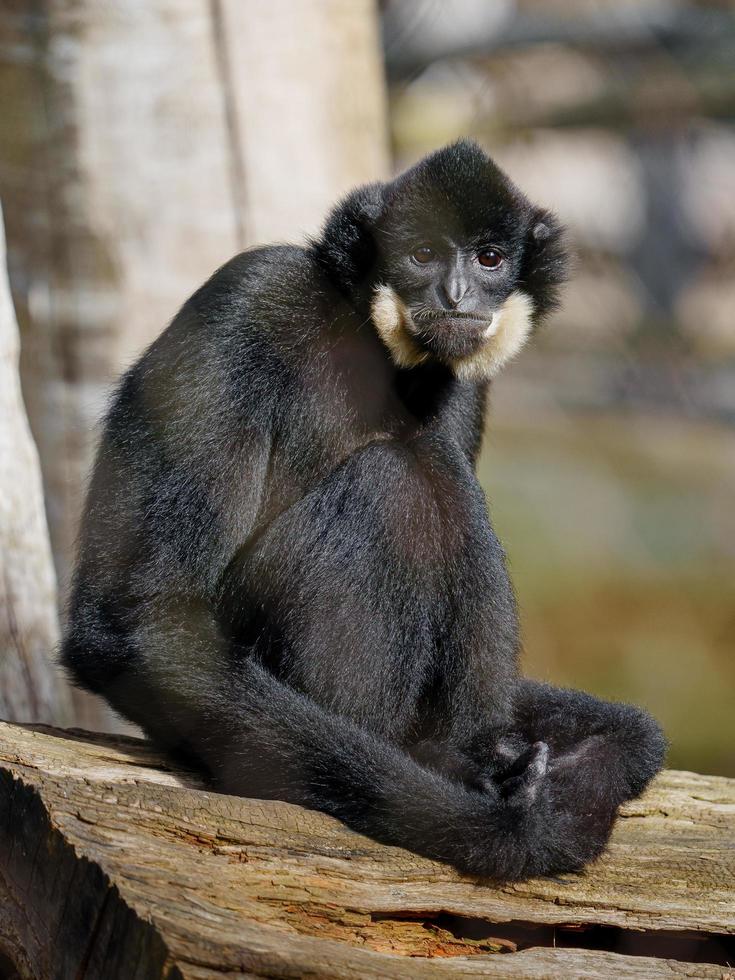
(393, 322)
(514, 323)
(510, 330)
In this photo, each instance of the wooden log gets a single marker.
(114, 863)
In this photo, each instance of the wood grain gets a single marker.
(114, 863)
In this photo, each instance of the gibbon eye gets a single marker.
(423, 254)
(490, 258)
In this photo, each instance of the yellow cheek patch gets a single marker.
(392, 321)
(513, 323)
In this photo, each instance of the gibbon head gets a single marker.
(460, 265)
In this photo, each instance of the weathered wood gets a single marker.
(114, 863)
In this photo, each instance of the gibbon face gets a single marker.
(467, 265)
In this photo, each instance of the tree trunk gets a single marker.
(31, 688)
(141, 145)
(306, 108)
(115, 863)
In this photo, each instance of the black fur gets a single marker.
(287, 569)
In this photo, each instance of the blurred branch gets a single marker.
(608, 29)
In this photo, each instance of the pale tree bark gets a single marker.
(142, 144)
(31, 687)
(306, 107)
(114, 172)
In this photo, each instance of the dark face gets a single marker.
(453, 289)
(456, 262)
(452, 239)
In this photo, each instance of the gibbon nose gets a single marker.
(454, 288)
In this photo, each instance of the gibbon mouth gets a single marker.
(440, 319)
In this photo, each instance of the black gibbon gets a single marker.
(287, 572)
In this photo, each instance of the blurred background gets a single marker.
(141, 144)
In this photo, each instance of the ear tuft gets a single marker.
(346, 251)
(545, 263)
(371, 207)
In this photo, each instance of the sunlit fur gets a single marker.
(512, 326)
